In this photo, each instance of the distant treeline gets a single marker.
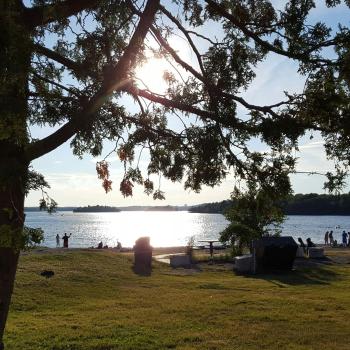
(211, 208)
(299, 204)
(104, 208)
(96, 209)
(317, 204)
(154, 208)
(30, 209)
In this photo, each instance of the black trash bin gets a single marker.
(274, 253)
(143, 254)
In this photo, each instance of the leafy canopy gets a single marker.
(255, 212)
(83, 56)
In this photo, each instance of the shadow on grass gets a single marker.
(142, 270)
(317, 275)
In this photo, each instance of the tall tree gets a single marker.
(69, 63)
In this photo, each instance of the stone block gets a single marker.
(316, 252)
(300, 252)
(244, 263)
(180, 260)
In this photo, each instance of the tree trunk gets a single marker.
(8, 267)
(15, 53)
(12, 217)
(11, 239)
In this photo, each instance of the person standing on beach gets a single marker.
(331, 239)
(57, 240)
(349, 239)
(302, 244)
(326, 236)
(65, 240)
(345, 238)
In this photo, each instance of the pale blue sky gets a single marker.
(74, 181)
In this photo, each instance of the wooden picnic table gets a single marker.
(211, 247)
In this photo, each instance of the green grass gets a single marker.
(201, 256)
(96, 301)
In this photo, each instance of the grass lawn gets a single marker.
(96, 301)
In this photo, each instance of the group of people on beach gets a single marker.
(65, 239)
(101, 246)
(329, 239)
(309, 244)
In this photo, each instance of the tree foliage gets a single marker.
(95, 45)
(255, 212)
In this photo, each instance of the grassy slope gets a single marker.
(95, 301)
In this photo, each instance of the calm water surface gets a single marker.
(166, 229)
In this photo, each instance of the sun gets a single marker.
(150, 75)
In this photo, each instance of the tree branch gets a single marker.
(78, 68)
(202, 37)
(297, 56)
(115, 81)
(73, 92)
(209, 85)
(169, 103)
(42, 15)
(189, 39)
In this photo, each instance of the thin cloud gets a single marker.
(312, 145)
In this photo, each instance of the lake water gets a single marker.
(166, 229)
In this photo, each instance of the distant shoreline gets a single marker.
(96, 209)
(311, 204)
(107, 209)
(154, 209)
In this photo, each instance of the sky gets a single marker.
(74, 181)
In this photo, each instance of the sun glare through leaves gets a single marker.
(150, 75)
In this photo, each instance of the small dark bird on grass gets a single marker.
(47, 273)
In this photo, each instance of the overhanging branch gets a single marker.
(169, 103)
(116, 80)
(78, 68)
(188, 37)
(303, 56)
(208, 84)
(42, 15)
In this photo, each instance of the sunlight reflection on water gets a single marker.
(166, 229)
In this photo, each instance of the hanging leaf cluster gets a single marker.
(102, 169)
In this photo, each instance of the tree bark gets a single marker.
(11, 228)
(15, 52)
(8, 267)
(12, 193)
